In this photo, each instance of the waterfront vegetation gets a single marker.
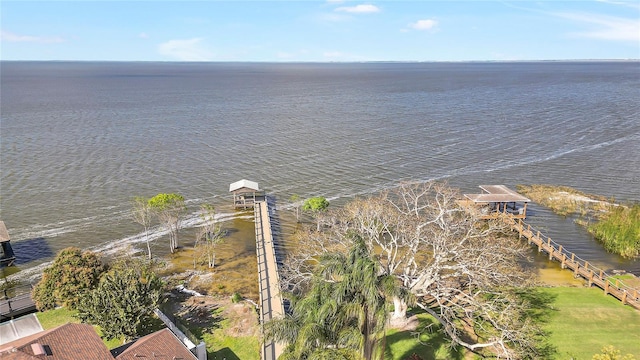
(616, 226)
(567, 322)
(580, 322)
(619, 230)
(565, 200)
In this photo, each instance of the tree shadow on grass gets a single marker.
(428, 341)
(539, 309)
(223, 354)
(205, 320)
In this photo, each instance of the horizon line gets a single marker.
(331, 62)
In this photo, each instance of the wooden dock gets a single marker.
(580, 267)
(16, 302)
(271, 305)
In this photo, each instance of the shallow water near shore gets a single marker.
(79, 140)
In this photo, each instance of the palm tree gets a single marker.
(343, 314)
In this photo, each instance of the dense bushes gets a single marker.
(72, 274)
(619, 230)
(123, 302)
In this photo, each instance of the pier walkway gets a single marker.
(580, 267)
(271, 305)
(16, 302)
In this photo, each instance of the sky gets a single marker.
(319, 31)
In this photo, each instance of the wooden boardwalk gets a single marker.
(580, 267)
(16, 302)
(271, 305)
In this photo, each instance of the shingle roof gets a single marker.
(66, 342)
(162, 344)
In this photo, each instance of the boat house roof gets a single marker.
(244, 186)
(496, 194)
(4, 234)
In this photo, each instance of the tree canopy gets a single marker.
(123, 302)
(343, 314)
(72, 274)
(463, 271)
(169, 209)
(315, 204)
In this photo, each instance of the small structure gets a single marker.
(18, 328)
(498, 199)
(7, 256)
(245, 193)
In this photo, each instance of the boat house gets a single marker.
(497, 199)
(7, 256)
(245, 193)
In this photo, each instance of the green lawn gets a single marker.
(584, 320)
(222, 346)
(427, 341)
(222, 339)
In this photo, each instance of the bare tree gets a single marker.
(463, 271)
(295, 199)
(143, 215)
(208, 236)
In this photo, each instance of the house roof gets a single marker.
(65, 342)
(495, 194)
(4, 234)
(162, 344)
(244, 184)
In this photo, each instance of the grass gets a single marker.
(565, 200)
(619, 231)
(56, 317)
(223, 343)
(585, 320)
(221, 346)
(428, 341)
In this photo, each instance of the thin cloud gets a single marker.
(185, 50)
(425, 24)
(11, 37)
(359, 9)
(333, 18)
(633, 5)
(143, 35)
(607, 27)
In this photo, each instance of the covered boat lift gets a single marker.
(245, 193)
(498, 199)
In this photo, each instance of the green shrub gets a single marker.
(619, 231)
(72, 274)
(236, 298)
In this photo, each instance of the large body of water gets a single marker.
(79, 140)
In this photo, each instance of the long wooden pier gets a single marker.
(271, 305)
(580, 267)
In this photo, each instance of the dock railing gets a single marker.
(16, 301)
(580, 267)
(271, 305)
